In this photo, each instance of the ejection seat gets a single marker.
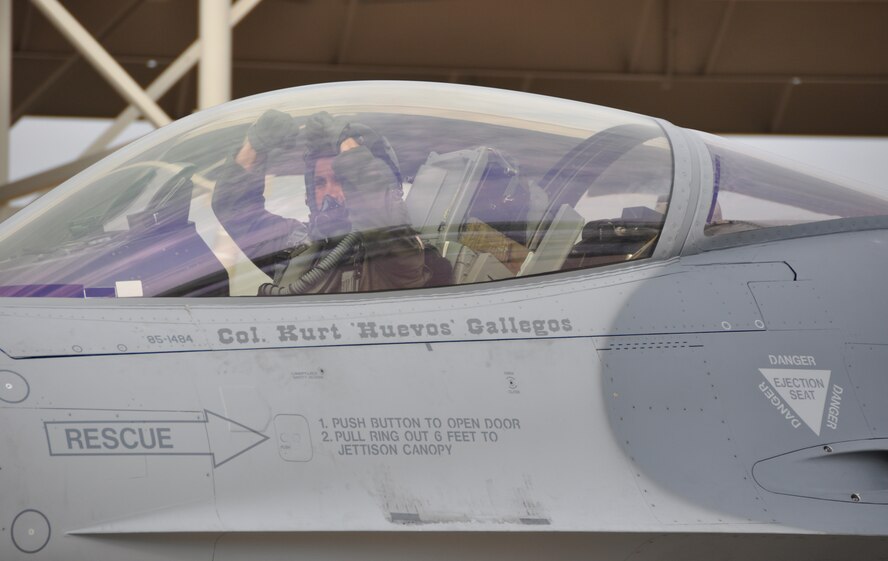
(476, 209)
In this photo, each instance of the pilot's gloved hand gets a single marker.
(272, 130)
(370, 190)
(321, 132)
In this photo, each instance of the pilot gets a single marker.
(358, 237)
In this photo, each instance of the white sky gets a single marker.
(864, 160)
(42, 143)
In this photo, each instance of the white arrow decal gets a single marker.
(209, 436)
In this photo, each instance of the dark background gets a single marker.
(726, 66)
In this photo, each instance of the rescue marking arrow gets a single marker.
(206, 436)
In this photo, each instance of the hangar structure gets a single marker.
(729, 66)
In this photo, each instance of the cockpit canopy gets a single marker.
(493, 185)
(496, 185)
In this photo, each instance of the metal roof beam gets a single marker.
(70, 61)
(27, 26)
(669, 42)
(719, 40)
(103, 62)
(456, 74)
(640, 36)
(346, 33)
(167, 79)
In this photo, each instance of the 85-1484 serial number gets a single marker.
(168, 339)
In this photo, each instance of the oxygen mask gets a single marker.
(331, 219)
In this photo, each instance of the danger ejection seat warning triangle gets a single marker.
(804, 391)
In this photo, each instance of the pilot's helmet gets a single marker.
(378, 145)
(323, 136)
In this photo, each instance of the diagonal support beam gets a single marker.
(167, 79)
(47, 179)
(53, 78)
(101, 60)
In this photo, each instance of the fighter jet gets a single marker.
(404, 320)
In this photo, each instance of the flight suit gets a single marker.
(389, 256)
